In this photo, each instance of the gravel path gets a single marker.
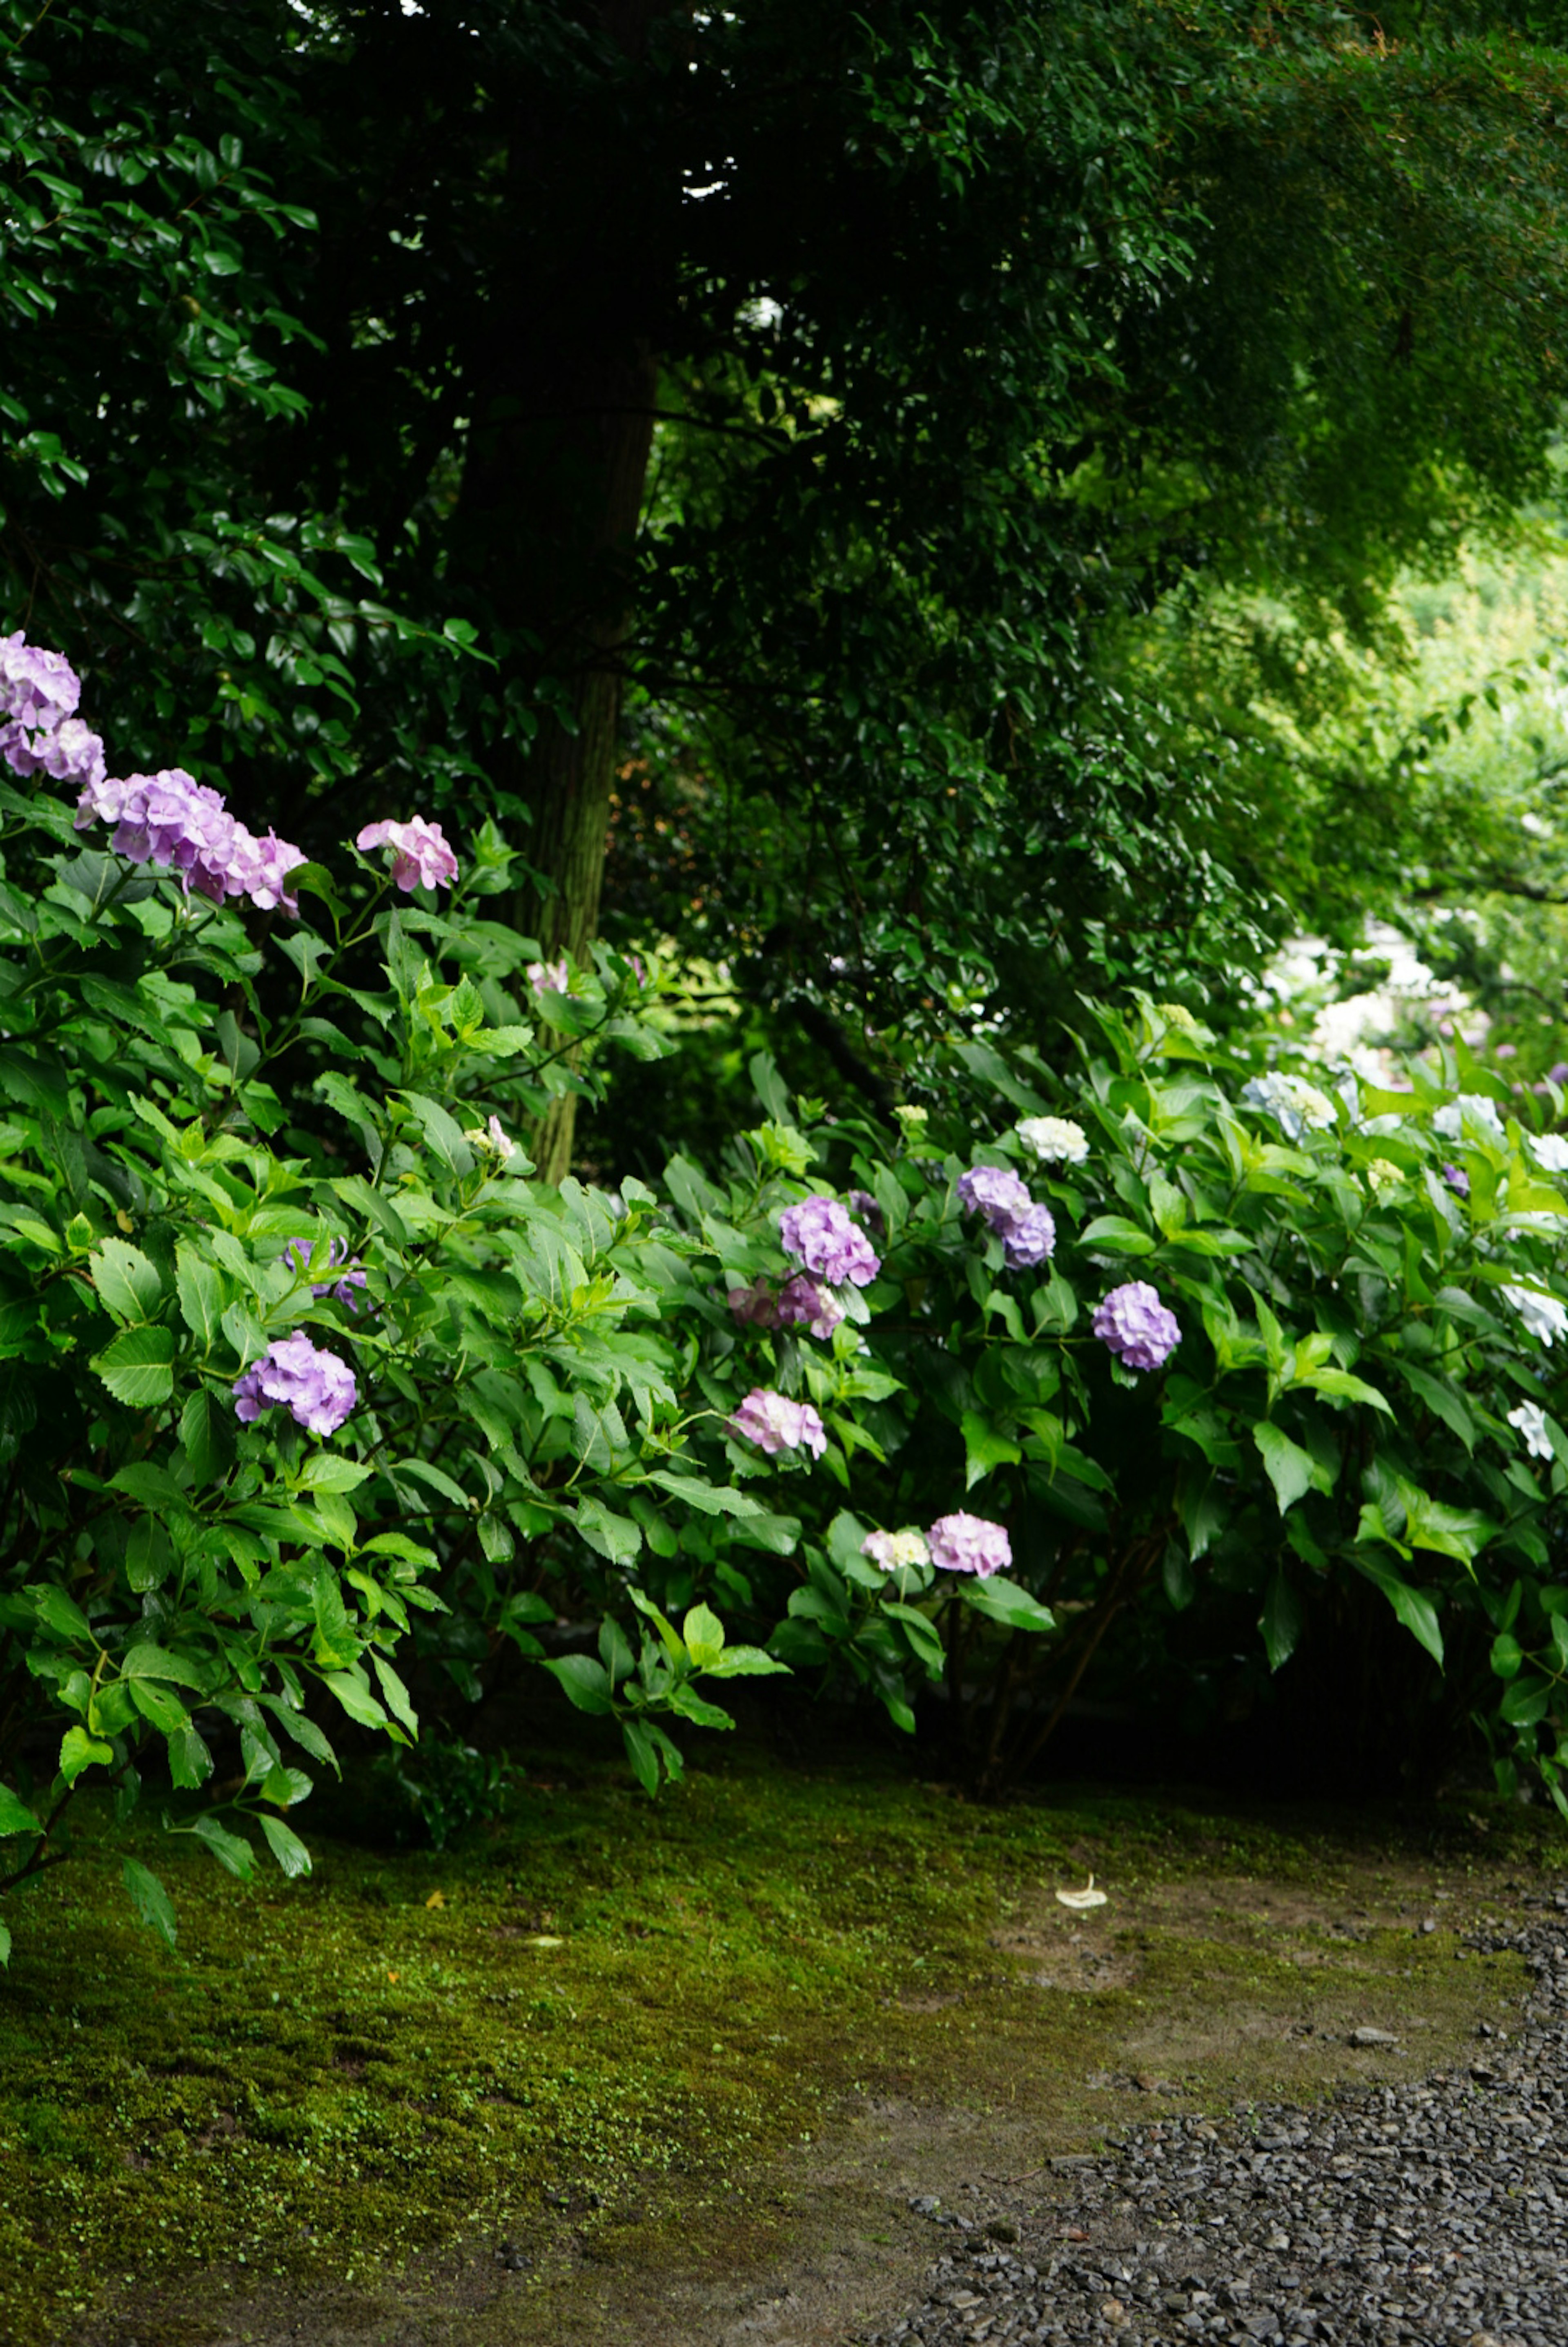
(1436, 2211)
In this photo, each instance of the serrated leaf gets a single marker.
(79, 1750)
(202, 1295)
(127, 1283)
(138, 1366)
(16, 1816)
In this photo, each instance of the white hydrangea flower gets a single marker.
(913, 1120)
(1054, 1140)
(1531, 1421)
(1550, 1151)
(1543, 1315)
(1384, 1174)
(1297, 1106)
(1449, 1120)
(896, 1551)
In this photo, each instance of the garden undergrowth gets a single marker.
(604, 2031)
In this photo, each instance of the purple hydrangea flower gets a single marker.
(420, 854)
(1027, 1230)
(1136, 1326)
(775, 1423)
(171, 820)
(861, 1202)
(964, 1544)
(1029, 1238)
(756, 1306)
(39, 733)
(801, 1300)
(819, 1234)
(1457, 1179)
(298, 1252)
(39, 689)
(995, 1191)
(316, 1388)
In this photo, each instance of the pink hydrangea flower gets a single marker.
(819, 1234)
(549, 977)
(316, 1388)
(964, 1544)
(1136, 1326)
(422, 857)
(775, 1423)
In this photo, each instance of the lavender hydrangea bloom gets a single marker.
(755, 1307)
(995, 1191)
(964, 1544)
(422, 857)
(819, 1234)
(1458, 1180)
(298, 1252)
(316, 1388)
(40, 688)
(171, 820)
(775, 1423)
(1136, 1326)
(39, 733)
(1029, 1238)
(1027, 1230)
(800, 1300)
(861, 1202)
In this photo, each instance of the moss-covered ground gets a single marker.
(605, 2056)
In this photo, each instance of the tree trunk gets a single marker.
(557, 468)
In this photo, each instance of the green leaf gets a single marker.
(138, 1366)
(1281, 1619)
(60, 1613)
(79, 1750)
(643, 1754)
(189, 1761)
(326, 1471)
(4, 1944)
(233, 1854)
(1507, 1655)
(285, 1846)
(1412, 1606)
(149, 1899)
(159, 1705)
(146, 1661)
(127, 1281)
(16, 1816)
(151, 1487)
(1341, 1386)
(202, 1295)
(587, 1683)
(703, 1634)
(1004, 1601)
(612, 1536)
(355, 1697)
(984, 1448)
(1444, 1400)
(1115, 1234)
(206, 1437)
(921, 1632)
(396, 1694)
(1291, 1470)
(743, 1663)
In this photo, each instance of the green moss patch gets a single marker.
(608, 2046)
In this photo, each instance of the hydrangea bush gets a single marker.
(316, 1410)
